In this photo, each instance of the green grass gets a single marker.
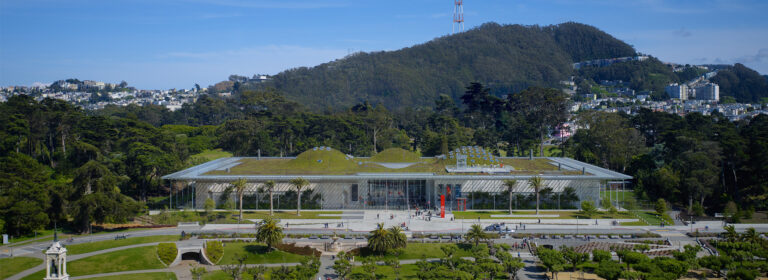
(42, 234)
(407, 271)
(140, 276)
(292, 214)
(124, 260)
(217, 217)
(255, 253)
(12, 266)
(101, 245)
(474, 215)
(415, 251)
(653, 219)
(336, 163)
(396, 155)
(209, 155)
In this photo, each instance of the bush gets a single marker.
(167, 252)
(292, 248)
(214, 250)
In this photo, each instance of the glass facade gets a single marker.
(396, 194)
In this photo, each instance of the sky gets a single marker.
(162, 44)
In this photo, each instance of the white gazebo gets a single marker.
(56, 261)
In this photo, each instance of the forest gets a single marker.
(61, 164)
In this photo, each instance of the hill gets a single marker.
(742, 83)
(507, 58)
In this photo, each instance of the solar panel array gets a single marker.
(475, 155)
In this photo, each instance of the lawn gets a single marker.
(12, 266)
(653, 218)
(101, 245)
(292, 214)
(124, 260)
(416, 251)
(140, 276)
(174, 217)
(474, 215)
(407, 271)
(255, 253)
(209, 155)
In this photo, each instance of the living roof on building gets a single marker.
(328, 164)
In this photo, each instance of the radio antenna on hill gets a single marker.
(458, 16)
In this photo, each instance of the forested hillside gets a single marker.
(744, 84)
(506, 58)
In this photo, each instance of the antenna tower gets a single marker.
(458, 16)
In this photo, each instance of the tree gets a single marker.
(379, 240)
(257, 272)
(512, 266)
(343, 265)
(369, 266)
(299, 183)
(608, 269)
(588, 208)
(269, 232)
(574, 258)
(395, 264)
(552, 260)
(476, 234)
(536, 183)
(715, 263)
(510, 184)
(543, 108)
(197, 272)
(209, 205)
(600, 255)
(236, 270)
(269, 186)
(660, 207)
(399, 240)
(239, 186)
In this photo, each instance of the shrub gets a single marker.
(167, 252)
(214, 250)
(292, 248)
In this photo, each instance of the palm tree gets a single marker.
(269, 232)
(239, 187)
(398, 238)
(299, 183)
(476, 234)
(379, 240)
(536, 183)
(269, 186)
(510, 184)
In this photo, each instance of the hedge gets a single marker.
(214, 250)
(167, 252)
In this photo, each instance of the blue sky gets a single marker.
(164, 44)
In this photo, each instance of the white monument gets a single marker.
(56, 261)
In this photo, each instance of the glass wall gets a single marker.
(396, 194)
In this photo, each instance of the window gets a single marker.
(353, 192)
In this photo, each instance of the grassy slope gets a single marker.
(123, 260)
(140, 276)
(255, 253)
(12, 266)
(101, 245)
(395, 155)
(407, 271)
(209, 155)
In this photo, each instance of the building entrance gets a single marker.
(397, 194)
